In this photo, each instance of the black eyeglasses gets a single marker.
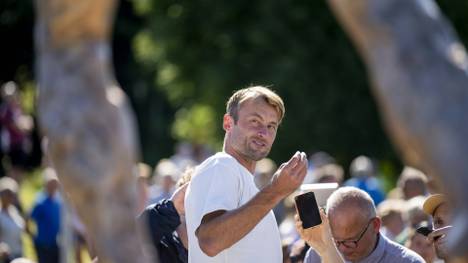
(353, 243)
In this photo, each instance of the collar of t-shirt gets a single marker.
(242, 167)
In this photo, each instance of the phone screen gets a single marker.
(308, 210)
(424, 230)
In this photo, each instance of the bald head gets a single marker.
(352, 217)
(351, 199)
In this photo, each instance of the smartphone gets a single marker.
(423, 230)
(307, 208)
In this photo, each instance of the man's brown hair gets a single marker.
(233, 104)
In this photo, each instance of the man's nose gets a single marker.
(262, 131)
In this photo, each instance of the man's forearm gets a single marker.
(219, 231)
(223, 231)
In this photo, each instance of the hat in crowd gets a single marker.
(361, 166)
(142, 170)
(50, 175)
(390, 207)
(432, 202)
(7, 183)
(166, 168)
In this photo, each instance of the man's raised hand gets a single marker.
(290, 175)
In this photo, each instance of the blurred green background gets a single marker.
(180, 60)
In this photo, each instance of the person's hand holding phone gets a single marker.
(307, 208)
(318, 237)
(439, 235)
(424, 230)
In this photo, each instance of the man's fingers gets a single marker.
(432, 237)
(438, 233)
(300, 170)
(304, 156)
(296, 161)
(323, 216)
(293, 161)
(302, 159)
(298, 223)
(300, 164)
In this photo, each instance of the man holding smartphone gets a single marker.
(228, 218)
(354, 232)
(436, 205)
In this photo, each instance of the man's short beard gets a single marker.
(258, 158)
(254, 155)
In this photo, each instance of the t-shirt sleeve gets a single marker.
(223, 187)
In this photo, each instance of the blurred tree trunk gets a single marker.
(418, 69)
(89, 124)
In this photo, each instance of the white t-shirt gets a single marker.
(11, 228)
(221, 183)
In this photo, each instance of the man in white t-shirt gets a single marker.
(228, 218)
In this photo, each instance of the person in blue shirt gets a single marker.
(46, 215)
(362, 172)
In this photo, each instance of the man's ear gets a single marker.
(377, 224)
(228, 122)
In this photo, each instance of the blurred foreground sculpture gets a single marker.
(418, 69)
(88, 121)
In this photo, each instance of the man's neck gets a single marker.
(247, 163)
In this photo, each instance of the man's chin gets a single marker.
(261, 156)
(258, 155)
(257, 158)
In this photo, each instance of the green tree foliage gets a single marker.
(202, 50)
(153, 112)
(196, 124)
(16, 48)
(16, 45)
(189, 56)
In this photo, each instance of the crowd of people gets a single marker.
(45, 215)
(237, 205)
(21, 153)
